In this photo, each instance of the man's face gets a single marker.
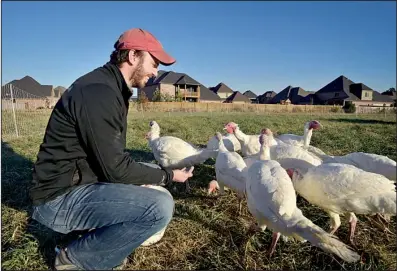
(146, 68)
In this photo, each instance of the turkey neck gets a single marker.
(240, 135)
(264, 152)
(307, 136)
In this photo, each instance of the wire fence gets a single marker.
(24, 114)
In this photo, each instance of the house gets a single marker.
(293, 95)
(30, 93)
(266, 97)
(222, 90)
(175, 84)
(391, 92)
(237, 98)
(27, 87)
(252, 96)
(342, 90)
(59, 90)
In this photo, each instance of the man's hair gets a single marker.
(118, 57)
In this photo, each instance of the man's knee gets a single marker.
(164, 207)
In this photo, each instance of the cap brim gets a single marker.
(164, 58)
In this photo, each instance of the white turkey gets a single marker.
(229, 169)
(174, 153)
(271, 200)
(229, 140)
(282, 151)
(370, 162)
(345, 189)
(157, 236)
(249, 143)
(301, 140)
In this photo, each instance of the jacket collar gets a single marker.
(122, 85)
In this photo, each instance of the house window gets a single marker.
(336, 94)
(366, 94)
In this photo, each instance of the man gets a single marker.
(84, 180)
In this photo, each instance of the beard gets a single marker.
(139, 77)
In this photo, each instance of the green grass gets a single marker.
(206, 232)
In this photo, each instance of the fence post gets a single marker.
(13, 111)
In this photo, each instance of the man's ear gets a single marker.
(132, 57)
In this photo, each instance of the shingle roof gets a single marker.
(173, 78)
(282, 95)
(266, 97)
(208, 95)
(250, 94)
(377, 97)
(339, 84)
(360, 86)
(237, 97)
(221, 88)
(31, 86)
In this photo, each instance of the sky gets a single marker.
(257, 46)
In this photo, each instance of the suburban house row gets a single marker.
(338, 92)
(31, 94)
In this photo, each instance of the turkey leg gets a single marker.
(275, 237)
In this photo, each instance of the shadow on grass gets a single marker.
(141, 156)
(362, 121)
(15, 185)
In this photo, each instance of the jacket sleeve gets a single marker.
(99, 118)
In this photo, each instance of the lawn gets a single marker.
(206, 232)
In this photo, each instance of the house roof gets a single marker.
(170, 77)
(31, 86)
(250, 94)
(174, 78)
(208, 95)
(266, 97)
(360, 86)
(378, 97)
(294, 94)
(341, 83)
(269, 94)
(221, 88)
(237, 97)
(282, 95)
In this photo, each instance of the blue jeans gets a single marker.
(123, 216)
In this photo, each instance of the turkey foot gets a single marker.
(275, 237)
(213, 186)
(240, 203)
(352, 229)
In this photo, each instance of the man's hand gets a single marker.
(181, 175)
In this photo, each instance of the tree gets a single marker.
(142, 98)
(162, 97)
(390, 92)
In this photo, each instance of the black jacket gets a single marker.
(85, 139)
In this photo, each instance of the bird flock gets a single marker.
(270, 173)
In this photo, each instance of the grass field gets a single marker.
(207, 232)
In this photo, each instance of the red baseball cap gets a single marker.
(139, 39)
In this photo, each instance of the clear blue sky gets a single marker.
(259, 46)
